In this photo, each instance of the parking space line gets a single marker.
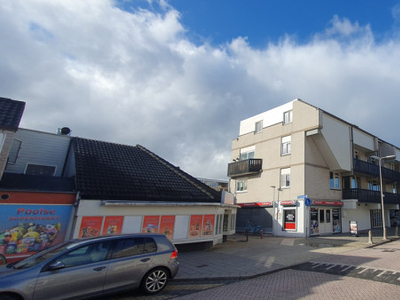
(363, 271)
(380, 274)
(332, 266)
(349, 267)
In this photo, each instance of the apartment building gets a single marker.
(298, 170)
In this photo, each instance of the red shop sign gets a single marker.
(255, 204)
(331, 203)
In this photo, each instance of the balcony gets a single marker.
(367, 196)
(367, 168)
(245, 167)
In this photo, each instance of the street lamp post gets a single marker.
(381, 185)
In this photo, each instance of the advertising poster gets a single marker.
(167, 226)
(90, 226)
(113, 225)
(195, 226)
(208, 225)
(26, 229)
(150, 224)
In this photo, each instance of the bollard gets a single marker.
(397, 231)
(247, 235)
(261, 233)
(370, 237)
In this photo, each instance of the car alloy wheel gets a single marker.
(155, 281)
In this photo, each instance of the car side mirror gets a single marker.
(56, 266)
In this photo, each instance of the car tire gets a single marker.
(9, 297)
(155, 281)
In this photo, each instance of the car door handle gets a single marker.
(99, 268)
(145, 259)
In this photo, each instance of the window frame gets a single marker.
(258, 127)
(334, 180)
(288, 117)
(286, 145)
(14, 151)
(243, 184)
(285, 178)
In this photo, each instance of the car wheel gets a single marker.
(9, 297)
(155, 281)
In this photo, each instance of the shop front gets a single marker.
(253, 216)
(182, 223)
(325, 217)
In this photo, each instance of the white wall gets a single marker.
(337, 136)
(134, 216)
(269, 118)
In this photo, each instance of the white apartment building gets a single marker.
(299, 171)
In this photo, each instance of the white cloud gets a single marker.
(135, 78)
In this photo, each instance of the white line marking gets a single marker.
(363, 270)
(380, 274)
(331, 267)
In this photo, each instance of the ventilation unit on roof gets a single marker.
(64, 131)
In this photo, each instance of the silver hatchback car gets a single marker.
(93, 266)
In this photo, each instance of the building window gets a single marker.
(259, 126)
(374, 186)
(41, 170)
(247, 155)
(285, 178)
(288, 117)
(241, 185)
(334, 181)
(286, 145)
(14, 151)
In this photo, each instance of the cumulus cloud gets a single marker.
(135, 77)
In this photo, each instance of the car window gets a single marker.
(84, 255)
(133, 246)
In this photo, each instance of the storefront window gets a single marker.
(314, 221)
(290, 219)
(336, 220)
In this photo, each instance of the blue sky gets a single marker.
(178, 76)
(265, 21)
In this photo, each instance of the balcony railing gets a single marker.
(368, 196)
(373, 170)
(244, 167)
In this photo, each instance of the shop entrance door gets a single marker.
(325, 220)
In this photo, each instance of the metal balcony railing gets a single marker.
(367, 168)
(367, 196)
(245, 167)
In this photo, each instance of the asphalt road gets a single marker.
(368, 273)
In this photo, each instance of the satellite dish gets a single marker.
(65, 131)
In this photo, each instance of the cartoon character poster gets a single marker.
(90, 226)
(167, 226)
(195, 226)
(208, 225)
(113, 225)
(26, 229)
(150, 224)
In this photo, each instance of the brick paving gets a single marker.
(238, 258)
(273, 268)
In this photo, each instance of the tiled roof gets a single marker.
(109, 171)
(24, 182)
(10, 113)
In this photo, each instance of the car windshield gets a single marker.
(43, 255)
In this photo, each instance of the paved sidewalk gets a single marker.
(238, 258)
